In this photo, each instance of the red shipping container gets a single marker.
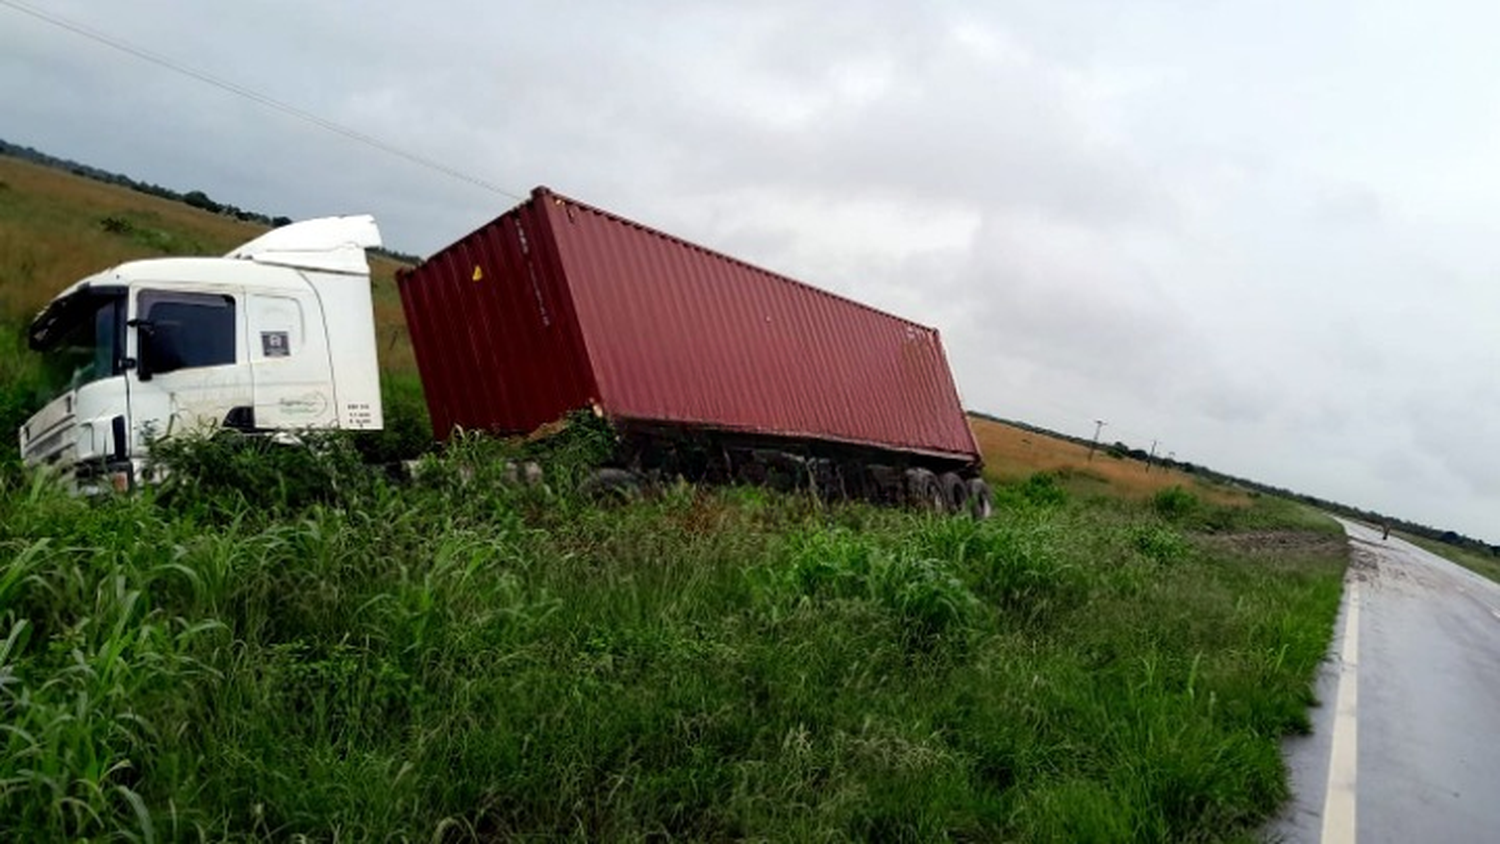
(556, 305)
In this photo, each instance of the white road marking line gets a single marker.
(1338, 805)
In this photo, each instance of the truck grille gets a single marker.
(48, 448)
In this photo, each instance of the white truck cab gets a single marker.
(277, 335)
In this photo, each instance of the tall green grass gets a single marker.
(20, 388)
(467, 659)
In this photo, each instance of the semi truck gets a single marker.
(705, 367)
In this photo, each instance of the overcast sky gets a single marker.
(1263, 234)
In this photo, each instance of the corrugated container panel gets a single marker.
(494, 335)
(784, 358)
(656, 329)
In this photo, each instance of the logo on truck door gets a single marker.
(307, 404)
(275, 344)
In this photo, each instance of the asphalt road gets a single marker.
(1406, 746)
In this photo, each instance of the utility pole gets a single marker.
(1098, 425)
(1152, 456)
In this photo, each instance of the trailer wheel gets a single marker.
(823, 479)
(923, 491)
(981, 503)
(955, 492)
(749, 471)
(876, 483)
(785, 472)
(610, 485)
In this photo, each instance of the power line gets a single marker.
(257, 97)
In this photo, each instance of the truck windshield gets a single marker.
(80, 341)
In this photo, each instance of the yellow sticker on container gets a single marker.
(478, 273)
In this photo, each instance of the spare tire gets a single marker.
(955, 492)
(981, 503)
(923, 491)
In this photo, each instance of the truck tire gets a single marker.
(823, 479)
(785, 472)
(955, 492)
(981, 503)
(610, 485)
(923, 492)
(877, 483)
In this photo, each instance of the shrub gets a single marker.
(407, 434)
(116, 225)
(584, 442)
(1160, 543)
(921, 591)
(20, 379)
(227, 471)
(1175, 503)
(1022, 569)
(1040, 490)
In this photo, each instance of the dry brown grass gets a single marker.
(51, 235)
(1013, 454)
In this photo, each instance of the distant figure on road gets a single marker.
(1385, 531)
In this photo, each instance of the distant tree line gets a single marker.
(1121, 450)
(195, 198)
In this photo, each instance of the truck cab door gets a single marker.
(189, 372)
(289, 361)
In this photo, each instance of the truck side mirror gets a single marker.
(145, 329)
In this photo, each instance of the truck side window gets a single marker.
(186, 330)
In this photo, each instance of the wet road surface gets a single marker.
(1406, 746)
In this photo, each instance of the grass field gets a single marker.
(257, 657)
